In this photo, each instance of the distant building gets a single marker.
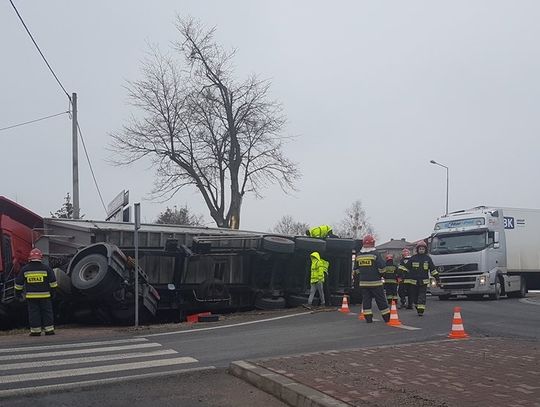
(394, 247)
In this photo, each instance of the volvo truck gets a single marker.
(486, 251)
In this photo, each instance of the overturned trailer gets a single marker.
(182, 269)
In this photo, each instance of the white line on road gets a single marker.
(529, 301)
(94, 370)
(26, 391)
(78, 351)
(407, 327)
(90, 359)
(227, 326)
(70, 345)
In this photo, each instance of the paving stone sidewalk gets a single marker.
(472, 372)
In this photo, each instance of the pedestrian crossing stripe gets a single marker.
(85, 359)
(78, 351)
(56, 374)
(72, 345)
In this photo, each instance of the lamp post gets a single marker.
(446, 168)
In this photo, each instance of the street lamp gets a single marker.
(445, 167)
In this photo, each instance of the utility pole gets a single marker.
(75, 152)
(137, 225)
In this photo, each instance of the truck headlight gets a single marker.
(433, 282)
(482, 280)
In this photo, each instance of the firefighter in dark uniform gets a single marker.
(403, 281)
(320, 232)
(419, 267)
(39, 282)
(369, 267)
(390, 279)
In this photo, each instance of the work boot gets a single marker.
(386, 317)
(49, 333)
(35, 334)
(369, 319)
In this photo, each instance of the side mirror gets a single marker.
(496, 237)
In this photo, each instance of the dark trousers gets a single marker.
(417, 296)
(377, 293)
(403, 292)
(40, 314)
(391, 292)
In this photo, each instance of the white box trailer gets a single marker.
(490, 251)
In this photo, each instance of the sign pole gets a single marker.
(137, 211)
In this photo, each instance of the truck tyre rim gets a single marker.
(89, 272)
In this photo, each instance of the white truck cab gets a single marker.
(486, 251)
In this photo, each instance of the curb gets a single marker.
(282, 387)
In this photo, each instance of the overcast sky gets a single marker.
(372, 90)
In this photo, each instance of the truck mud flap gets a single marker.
(150, 299)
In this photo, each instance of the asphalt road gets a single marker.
(94, 363)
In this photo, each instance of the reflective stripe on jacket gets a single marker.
(369, 266)
(419, 267)
(37, 279)
(319, 268)
(390, 274)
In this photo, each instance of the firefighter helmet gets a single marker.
(389, 257)
(421, 244)
(368, 241)
(35, 255)
(405, 253)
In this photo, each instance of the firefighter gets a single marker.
(39, 283)
(370, 267)
(402, 277)
(320, 232)
(419, 267)
(390, 279)
(319, 269)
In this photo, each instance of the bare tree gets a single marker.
(355, 223)
(288, 226)
(203, 128)
(182, 216)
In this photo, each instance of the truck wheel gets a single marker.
(340, 245)
(445, 297)
(91, 276)
(522, 293)
(277, 244)
(498, 290)
(310, 244)
(270, 303)
(63, 280)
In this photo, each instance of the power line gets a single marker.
(33, 121)
(91, 168)
(39, 50)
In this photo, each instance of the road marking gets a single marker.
(78, 351)
(26, 391)
(407, 327)
(90, 359)
(71, 345)
(528, 301)
(95, 370)
(226, 326)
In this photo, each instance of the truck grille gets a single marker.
(457, 268)
(458, 276)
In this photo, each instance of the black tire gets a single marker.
(277, 244)
(266, 303)
(445, 297)
(335, 244)
(296, 300)
(498, 291)
(310, 244)
(63, 280)
(522, 293)
(208, 318)
(91, 276)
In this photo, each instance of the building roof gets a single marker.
(395, 244)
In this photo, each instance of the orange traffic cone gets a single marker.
(394, 319)
(457, 332)
(361, 316)
(345, 305)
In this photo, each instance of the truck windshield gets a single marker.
(458, 243)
